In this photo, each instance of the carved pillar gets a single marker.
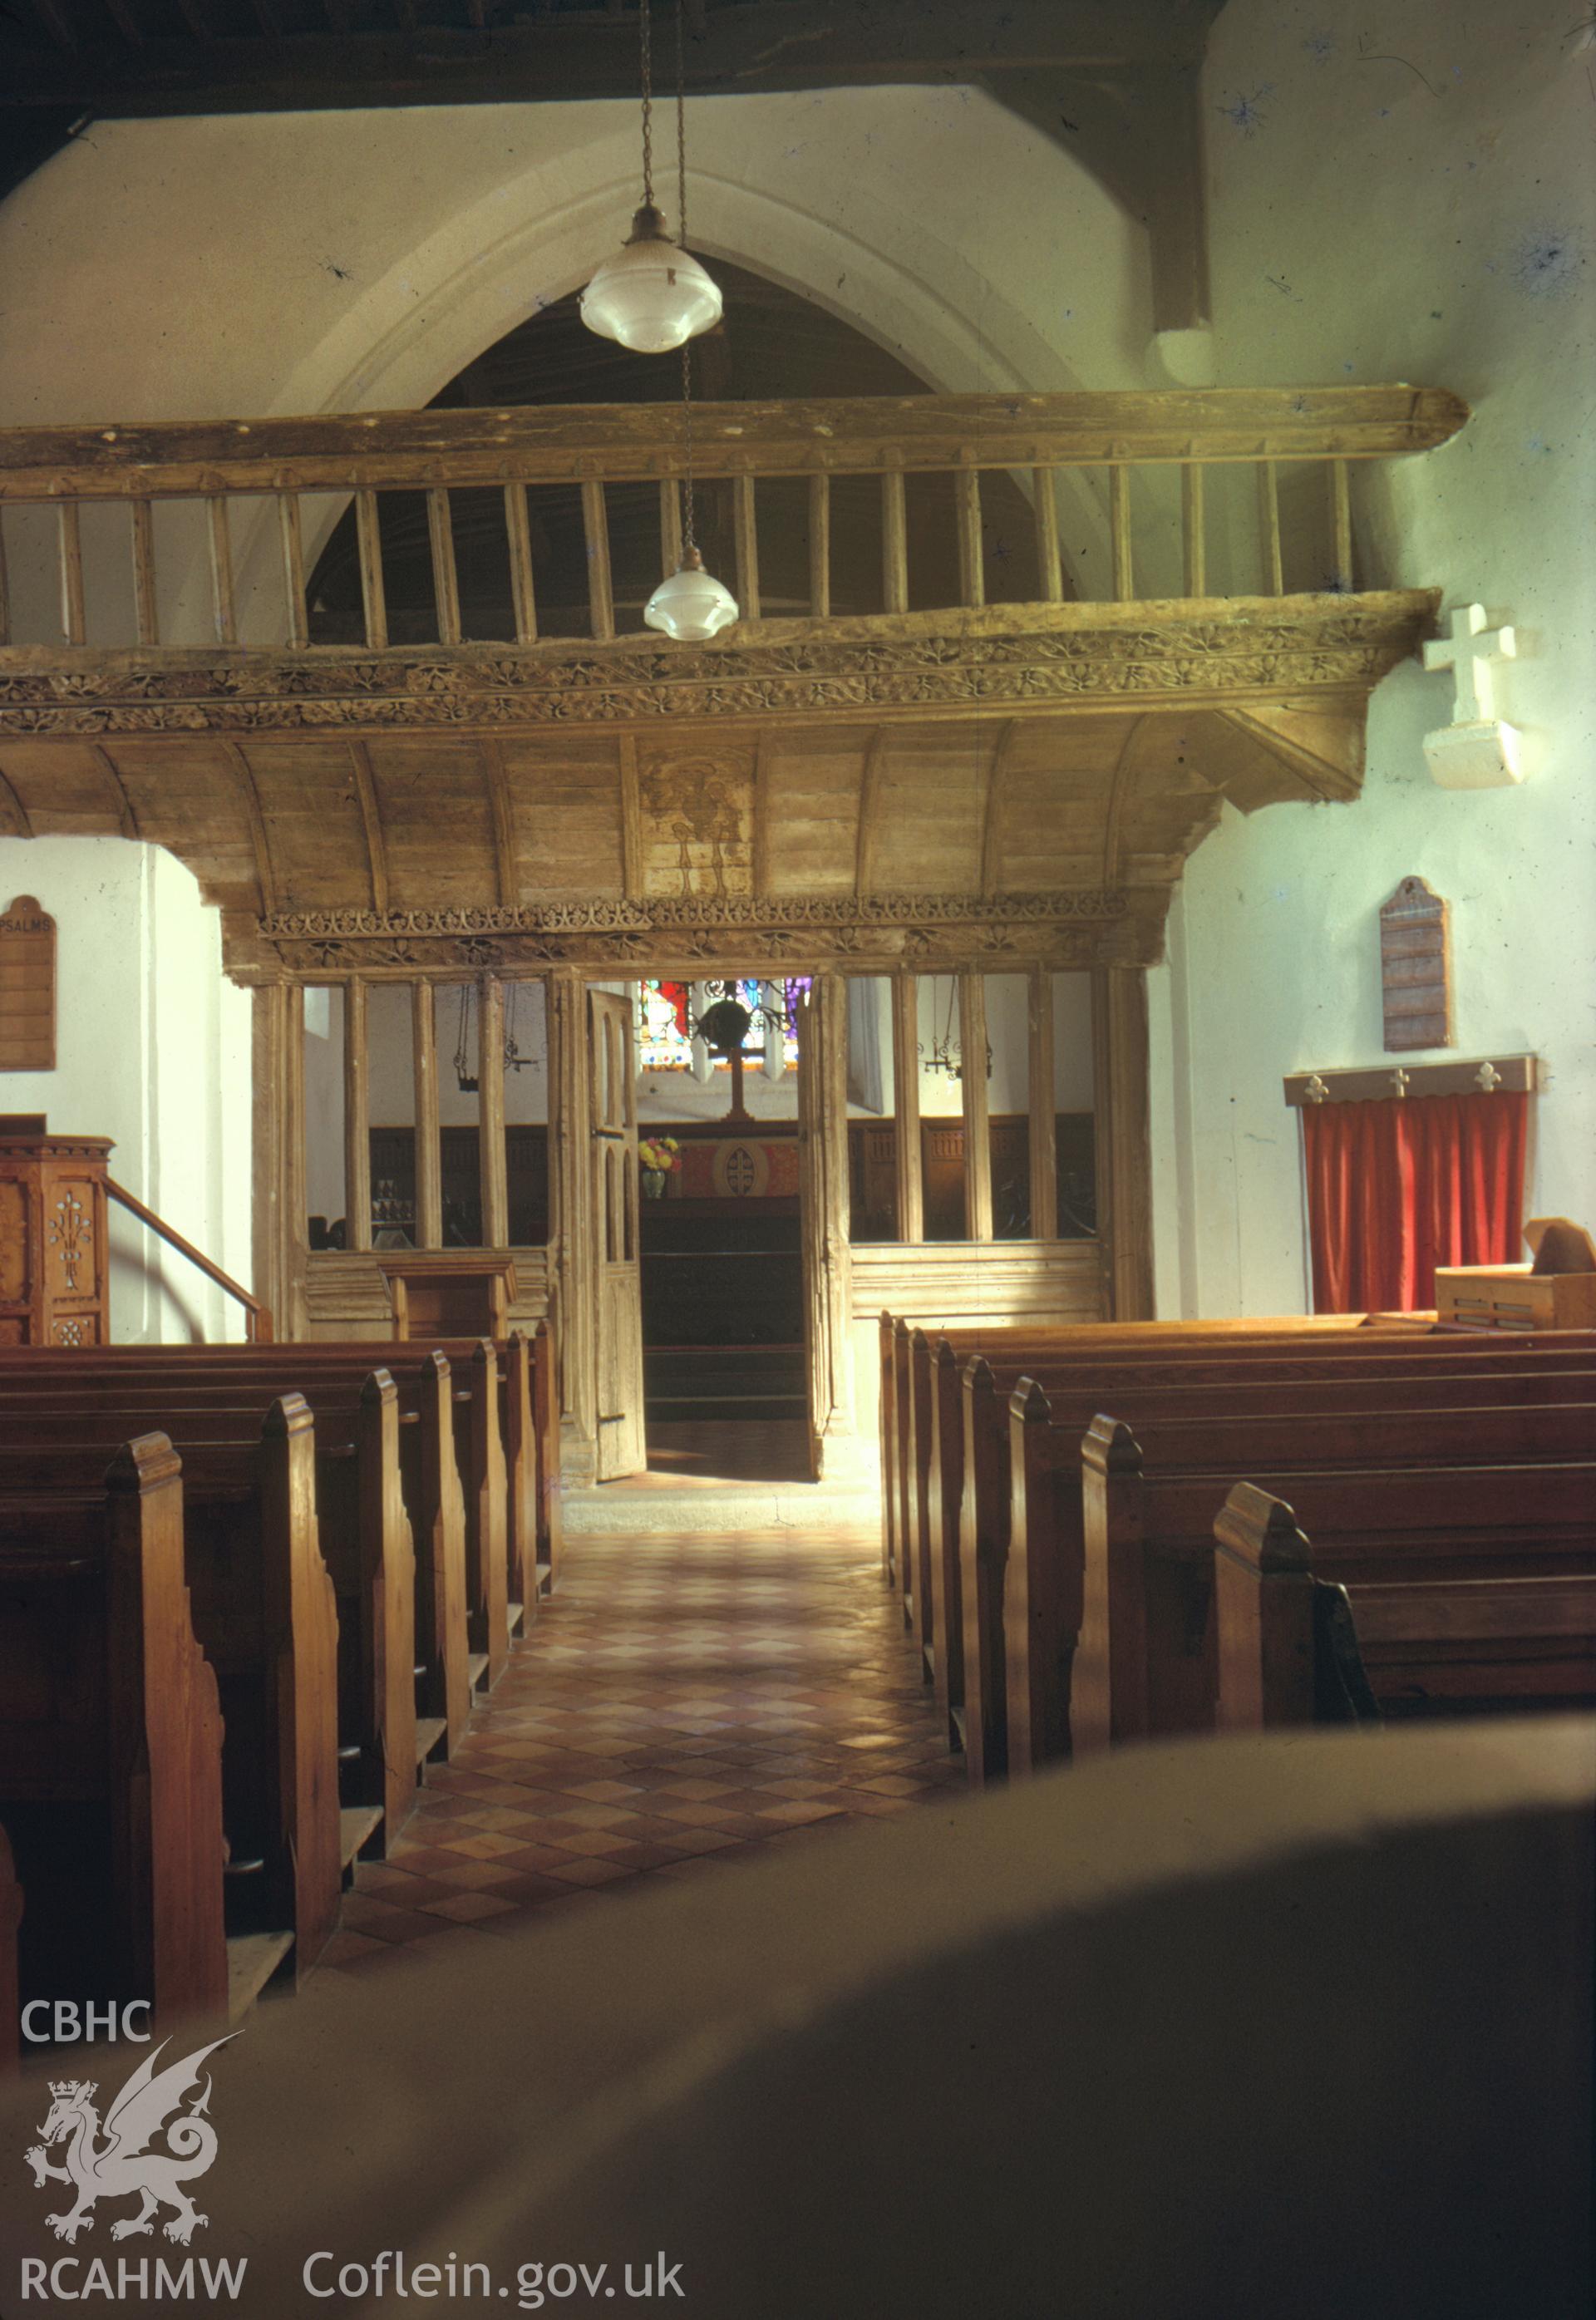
(972, 1040)
(906, 1104)
(429, 1152)
(828, 1253)
(356, 1118)
(1123, 1138)
(570, 1196)
(1044, 1111)
(280, 1249)
(490, 1112)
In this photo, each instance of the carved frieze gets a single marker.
(1074, 927)
(911, 665)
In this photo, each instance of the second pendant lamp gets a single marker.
(651, 295)
(691, 605)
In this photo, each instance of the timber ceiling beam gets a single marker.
(127, 821)
(259, 836)
(1114, 82)
(995, 816)
(371, 821)
(870, 806)
(18, 823)
(501, 815)
(631, 817)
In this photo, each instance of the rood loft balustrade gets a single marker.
(195, 548)
(382, 681)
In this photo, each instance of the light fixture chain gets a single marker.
(689, 536)
(681, 126)
(645, 36)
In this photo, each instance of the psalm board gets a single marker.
(27, 988)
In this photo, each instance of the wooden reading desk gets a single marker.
(449, 1292)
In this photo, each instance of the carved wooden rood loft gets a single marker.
(929, 786)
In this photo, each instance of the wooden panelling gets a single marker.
(440, 839)
(951, 1284)
(569, 796)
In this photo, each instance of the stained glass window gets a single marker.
(663, 1043)
(666, 1010)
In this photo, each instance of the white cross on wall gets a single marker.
(1469, 654)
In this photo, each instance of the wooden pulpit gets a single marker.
(55, 1271)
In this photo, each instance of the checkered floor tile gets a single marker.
(681, 1702)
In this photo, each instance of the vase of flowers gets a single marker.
(656, 1157)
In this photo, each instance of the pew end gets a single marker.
(1287, 1642)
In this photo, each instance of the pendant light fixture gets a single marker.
(692, 605)
(651, 295)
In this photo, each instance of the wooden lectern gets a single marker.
(449, 1292)
(55, 1272)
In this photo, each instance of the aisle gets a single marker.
(683, 1701)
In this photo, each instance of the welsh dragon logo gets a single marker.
(122, 2165)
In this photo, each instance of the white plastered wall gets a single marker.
(1426, 213)
(152, 1048)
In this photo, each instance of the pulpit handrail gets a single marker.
(257, 1320)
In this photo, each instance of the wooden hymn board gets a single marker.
(27, 988)
(1416, 969)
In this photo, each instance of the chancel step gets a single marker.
(714, 1382)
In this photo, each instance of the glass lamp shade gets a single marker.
(691, 605)
(651, 295)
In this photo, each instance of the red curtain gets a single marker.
(1400, 1185)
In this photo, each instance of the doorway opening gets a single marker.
(720, 1229)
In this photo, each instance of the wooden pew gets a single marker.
(480, 1444)
(1042, 1551)
(966, 1486)
(886, 1440)
(1505, 1638)
(155, 1379)
(1441, 1496)
(908, 1388)
(896, 1334)
(263, 1608)
(541, 1425)
(479, 1427)
(110, 1718)
(11, 1918)
(365, 1537)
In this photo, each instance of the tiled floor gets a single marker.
(680, 1701)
